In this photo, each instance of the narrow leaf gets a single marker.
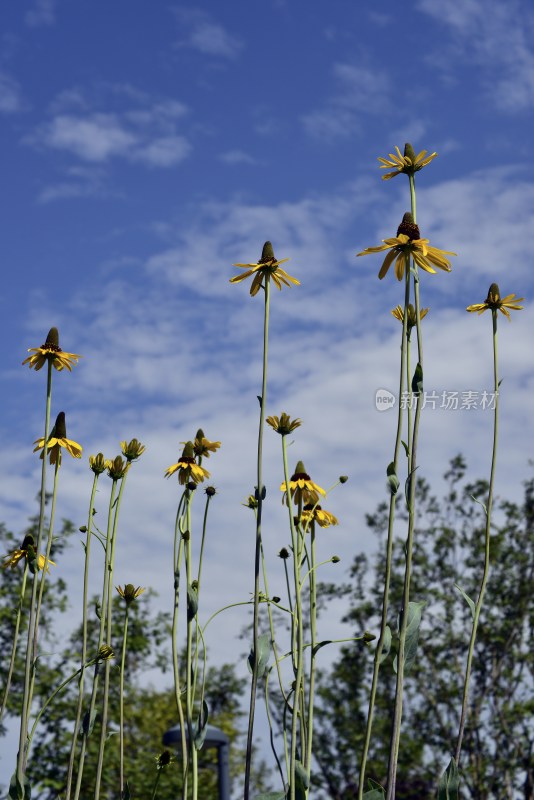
(405, 448)
(264, 652)
(393, 481)
(386, 646)
(321, 644)
(192, 603)
(415, 611)
(467, 599)
(202, 727)
(376, 792)
(480, 503)
(449, 783)
(417, 380)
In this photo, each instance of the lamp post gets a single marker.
(214, 738)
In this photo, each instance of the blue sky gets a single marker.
(149, 146)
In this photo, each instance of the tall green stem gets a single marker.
(190, 679)
(389, 547)
(487, 539)
(32, 632)
(84, 640)
(401, 655)
(121, 699)
(15, 640)
(259, 492)
(178, 555)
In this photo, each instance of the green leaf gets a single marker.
(408, 487)
(386, 646)
(417, 380)
(192, 603)
(16, 791)
(302, 783)
(376, 792)
(467, 599)
(88, 723)
(202, 727)
(127, 794)
(264, 652)
(415, 611)
(406, 450)
(321, 644)
(480, 503)
(449, 783)
(393, 481)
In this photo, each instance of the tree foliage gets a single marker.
(497, 752)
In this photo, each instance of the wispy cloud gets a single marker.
(206, 35)
(233, 157)
(496, 37)
(42, 12)
(10, 94)
(360, 90)
(144, 134)
(79, 182)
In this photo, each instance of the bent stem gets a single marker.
(259, 497)
(389, 548)
(485, 574)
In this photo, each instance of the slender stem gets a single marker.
(155, 787)
(272, 628)
(32, 631)
(121, 699)
(15, 639)
(84, 640)
(389, 549)
(190, 679)
(259, 491)
(412, 477)
(178, 555)
(487, 538)
(313, 641)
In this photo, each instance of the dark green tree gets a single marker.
(497, 761)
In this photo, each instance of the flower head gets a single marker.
(411, 317)
(187, 467)
(27, 551)
(314, 513)
(301, 487)
(51, 351)
(494, 301)
(132, 450)
(409, 163)
(284, 424)
(130, 593)
(408, 243)
(57, 440)
(117, 468)
(98, 463)
(202, 447)
(105, 652)
(266, 267)
(251, 502)
(164, 759)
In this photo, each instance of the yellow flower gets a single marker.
(408, 243)
(27, 551)
(57, 440)
(99, 464)
(117, 468)
(409, 163)
(494, 301)
(132, 450)
(266, 267)
(284, 424)
(314, 513)
(187, 467)
(202, 447)
(411, 321)
(130, 593)
(301, 487)
(51, 351)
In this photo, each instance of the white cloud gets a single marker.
(145, 134)
(494, 36)
(206, 35)
(10, 96)
(237, 157)
(43, 12)
(361, 91)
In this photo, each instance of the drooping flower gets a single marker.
(132, 450)
(301, 487)
(409, 163)
(187, 467)
(495, 302)
(411, 319)
(57, 440)
(27, 551)
(267, 266)
(408, 243)
(51, 351)
(314, 513)
(283, 424)
(129, 593)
